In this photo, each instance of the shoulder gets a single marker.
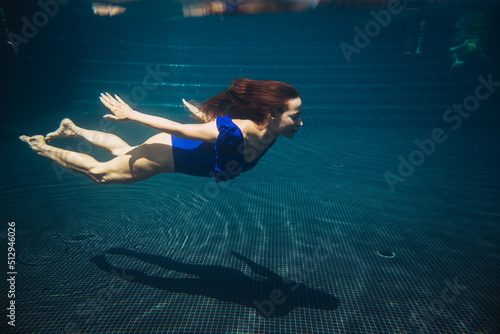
(246, 126)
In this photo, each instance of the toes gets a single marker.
(35, 143)
(37, 137)
(66, 122)
(64, 130)
(27, 140)
(24, 138)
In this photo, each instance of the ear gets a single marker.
(274, 114)
(273, 119)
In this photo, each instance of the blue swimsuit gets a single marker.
(223, 160)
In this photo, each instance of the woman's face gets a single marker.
(289, 122)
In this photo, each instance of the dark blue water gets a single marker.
(380, 165)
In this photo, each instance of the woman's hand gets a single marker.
(121, 111)
(196, 113)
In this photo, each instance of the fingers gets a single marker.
(119, 99)
(109, 101)
(187, 104)
(116, 118)
(104, 96)
(105, 100)
(197, 114)
(108, 98)
(191, 107)
(109, 106)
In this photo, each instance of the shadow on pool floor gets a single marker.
(273, 296)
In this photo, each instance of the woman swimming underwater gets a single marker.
(239, 126)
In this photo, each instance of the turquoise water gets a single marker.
(316, 209)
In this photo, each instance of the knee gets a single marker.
(98, 176)
(101, 181)
(97, 179)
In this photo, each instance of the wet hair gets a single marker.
(256, 100)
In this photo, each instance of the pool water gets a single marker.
(295, 244)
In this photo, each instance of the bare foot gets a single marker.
(65, 130)
(36, 143)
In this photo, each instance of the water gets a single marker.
(316, 210)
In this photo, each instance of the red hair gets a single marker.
(255, 100)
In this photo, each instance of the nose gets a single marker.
(300, 122)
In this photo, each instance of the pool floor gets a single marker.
(306, 227)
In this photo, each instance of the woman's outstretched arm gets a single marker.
(122, 112)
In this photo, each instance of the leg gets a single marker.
(141, 162)
(109, 142)
(200, 270)
(74, 161)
